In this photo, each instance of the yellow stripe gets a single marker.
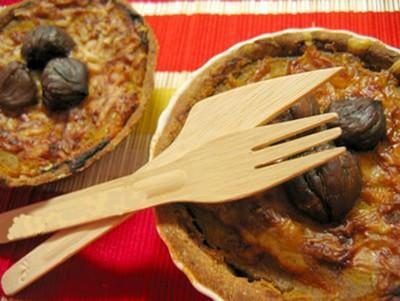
(158, 103)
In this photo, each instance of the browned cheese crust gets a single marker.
(263, 248)
(38, 146)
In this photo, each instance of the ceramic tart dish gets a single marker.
(331, 234)
(75, 77)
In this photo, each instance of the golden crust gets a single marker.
(204, 266)
(63, 170)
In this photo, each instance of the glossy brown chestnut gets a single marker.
(64, 83)
(329, 192)
(45, 43)
(306, 106)
(17, 87)
(362, 121)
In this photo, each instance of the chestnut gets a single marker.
(64, 83)
(45, 43)
(362, 121)
(17, 87)
(329, 192)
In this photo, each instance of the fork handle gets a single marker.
(65, 244)
(50, 216)
(70, 211)
(52, 252)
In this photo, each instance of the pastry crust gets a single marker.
(206, 267)
(86, 157)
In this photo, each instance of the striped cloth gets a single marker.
(131, 262)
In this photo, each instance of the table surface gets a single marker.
(131, 262)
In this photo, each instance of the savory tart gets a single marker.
(75, 77)
(330, 234)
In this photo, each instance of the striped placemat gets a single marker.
(131, 263)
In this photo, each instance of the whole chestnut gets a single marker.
(362, 121)
(304, 107)
(17, 87)
(45, 43)
(327, 193)
(307, 106)
(64, 83)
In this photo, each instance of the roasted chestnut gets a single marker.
(17, 87)
(64, 83)
(45, 43)
(362, 121)
(327, 193)
(307, 106)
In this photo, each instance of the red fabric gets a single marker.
(203, 36)
(131, 262)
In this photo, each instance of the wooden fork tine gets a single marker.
(270, 176)
(284, 150)
(283, 130)
(305, 85)
(249, 106)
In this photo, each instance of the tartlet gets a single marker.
(39, 145)
(264, 248)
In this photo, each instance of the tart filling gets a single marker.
(117, 48)
(266, 239)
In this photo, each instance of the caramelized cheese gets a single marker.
(358, 257)
(113, 45)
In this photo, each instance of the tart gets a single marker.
(109, 49)
(275, 245)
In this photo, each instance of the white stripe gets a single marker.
(264, 7)
(170, 79)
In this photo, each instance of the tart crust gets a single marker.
(87, 157)
(204, 266)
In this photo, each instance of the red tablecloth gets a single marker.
(131, 262)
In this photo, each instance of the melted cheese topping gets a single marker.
(361, 256)
(109, 42)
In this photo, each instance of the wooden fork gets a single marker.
(225, 169)
(223, 114)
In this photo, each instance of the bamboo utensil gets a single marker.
(227, 168)
(223, 114)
